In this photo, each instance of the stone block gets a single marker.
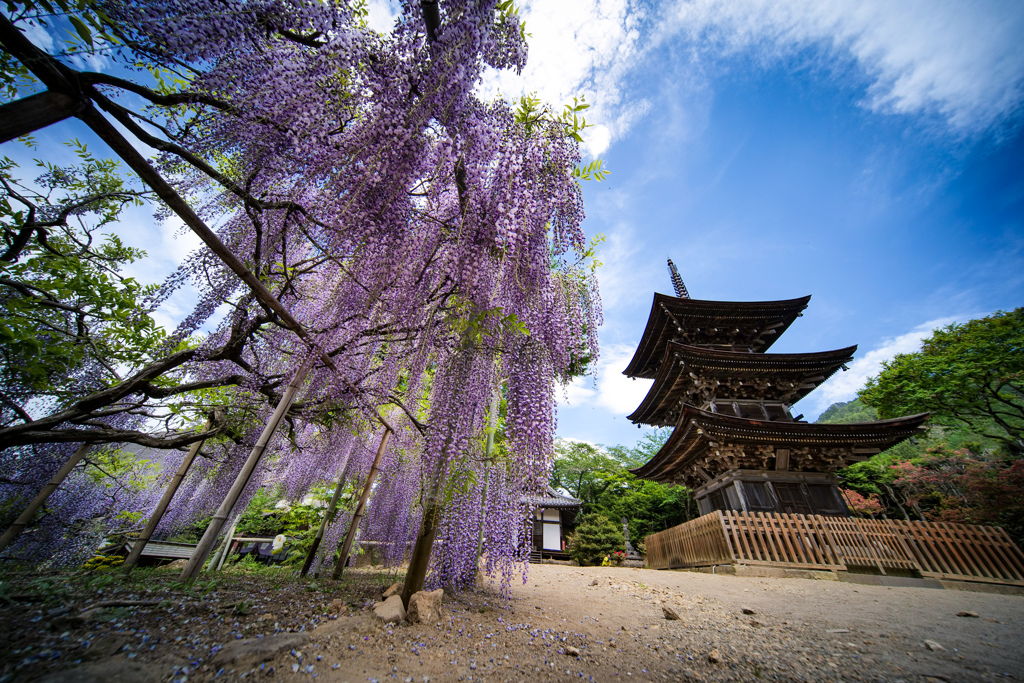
(391, 609)
(425, 607)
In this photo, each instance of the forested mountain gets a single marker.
(845, 413)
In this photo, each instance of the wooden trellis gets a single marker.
(936, 550)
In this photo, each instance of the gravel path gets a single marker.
(566, 624)
(729, 629)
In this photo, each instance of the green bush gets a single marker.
(595, 537)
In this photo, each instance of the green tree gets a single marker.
(968, 376)
(595, 537)
(65, 303)
(601, 479)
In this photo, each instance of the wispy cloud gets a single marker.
(959, 60)
(843, 386)
(382, 14)
(613, 391)
(962, 59)
(580, 47)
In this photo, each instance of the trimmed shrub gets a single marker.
(596, 536)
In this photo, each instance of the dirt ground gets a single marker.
(567, 623)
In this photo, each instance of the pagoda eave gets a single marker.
(753, 324)
(687, 371)
(704, 444)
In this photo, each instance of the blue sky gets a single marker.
(867, 153)
(862, 151)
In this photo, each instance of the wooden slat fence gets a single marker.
(869, 543)
(936, 550)
(963, 552)
(700, 542)
(796, 541)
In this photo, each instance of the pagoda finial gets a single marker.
(677, 281)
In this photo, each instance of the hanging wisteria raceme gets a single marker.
(506, 544)
(393, 517)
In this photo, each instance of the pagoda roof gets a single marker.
(752, 324)
(785, 377)
(697, 432)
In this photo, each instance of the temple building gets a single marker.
(735, 442)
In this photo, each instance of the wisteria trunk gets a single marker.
(332, 509)
(161, 508)
(206, 543)
(419, 563)
(26, 516)
(358, 514)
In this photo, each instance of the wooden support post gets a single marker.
(29, 512)
(206, 543)
(161, 508)
(358, 514)
(332, 509)
(67, 97)
(226, 548)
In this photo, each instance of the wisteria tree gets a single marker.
(395, 250)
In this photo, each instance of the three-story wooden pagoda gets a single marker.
(735, 442)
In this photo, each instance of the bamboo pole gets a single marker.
(206, 543)
(226, 548)
(358, 514)
(29, 512)
(161, 508)
(332, 509)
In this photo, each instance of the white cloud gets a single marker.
(843, 386)
(579, 47)
(382, 15)
(960, 58)
(614, 391)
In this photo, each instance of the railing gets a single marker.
(937, 550)
(797, 541)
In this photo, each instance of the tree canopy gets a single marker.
(599, 477)
(969, 376)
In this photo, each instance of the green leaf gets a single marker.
(83, 31)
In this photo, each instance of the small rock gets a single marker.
(572, 651)
(425, 607)
(715, 657)
(244, 653)
(338, 606)
(747, 610)
(840, 630)
(267, 617)
(967, 614)
(394, 589)
(933, 646)
(391, 609)
(669, 613)
(595, 582)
